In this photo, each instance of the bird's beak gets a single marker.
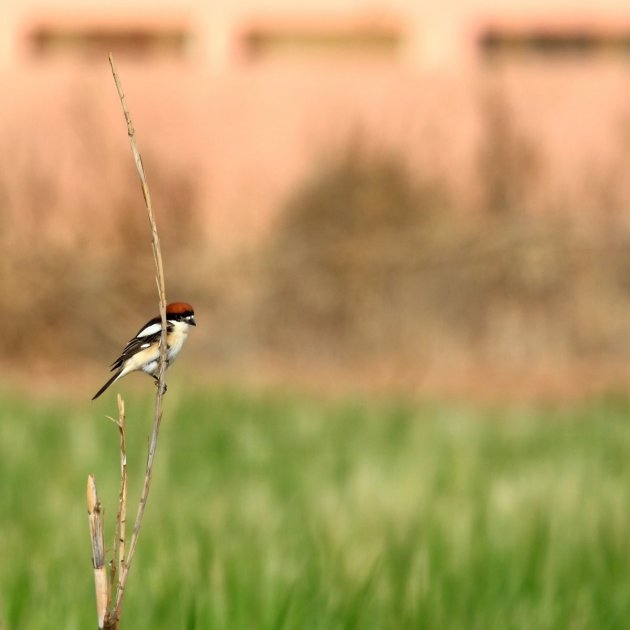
(192, 321)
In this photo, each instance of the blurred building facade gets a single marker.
(224, 36)
(249, 95)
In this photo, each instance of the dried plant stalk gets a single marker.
(125, 564)
(118, 557)
(95, 516)
(108, 606)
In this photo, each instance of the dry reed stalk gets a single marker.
(108, 606)
(125, 565)
(118, 557)
(95, 517)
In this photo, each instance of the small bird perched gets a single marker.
(143, 351)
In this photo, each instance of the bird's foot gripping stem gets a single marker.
(157, 384)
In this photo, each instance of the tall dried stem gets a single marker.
(157, 418)
(109, 605)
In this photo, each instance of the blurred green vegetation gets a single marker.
(280, 511)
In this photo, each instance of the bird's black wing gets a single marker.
(149, 334)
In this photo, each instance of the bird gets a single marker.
(143, 351)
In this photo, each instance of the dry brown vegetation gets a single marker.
(370, 258)
(55, 273)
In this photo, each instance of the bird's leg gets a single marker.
(157, 384)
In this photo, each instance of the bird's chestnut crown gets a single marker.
(181, 311)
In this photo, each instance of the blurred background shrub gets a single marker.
(371, 258)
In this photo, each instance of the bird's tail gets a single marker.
(109, 382)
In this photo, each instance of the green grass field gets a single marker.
(274, 511)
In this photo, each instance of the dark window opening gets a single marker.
(272, 42)
(90, 42)
(496, 44)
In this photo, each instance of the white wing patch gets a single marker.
(150, 330)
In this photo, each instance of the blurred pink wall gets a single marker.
(249, 97)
